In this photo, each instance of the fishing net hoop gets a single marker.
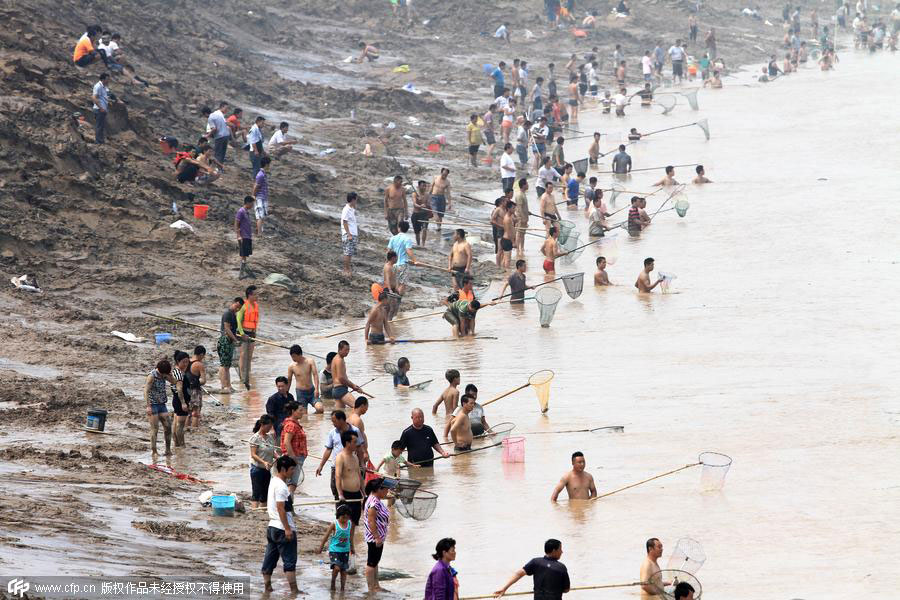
(421, 385)
(688, 556)
(580, 165)
(666, 281)
(540, 381)
(574, 284)
(405, 488)
(420, 507)
(609, 247)
(547, 298)
(665, 580)
(692, 99)
(715, 468)
(391, 368)
(667, 108)
(704, 125)
(614, 192)
(565, 230)
(573, 252)
(498, 432)
(682, 206)
(608, 429)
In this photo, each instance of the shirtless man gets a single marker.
(440, 196)
(521, 212)
(594, 150)
(307, 387)
(378, 323)
(548, 207)
(551, 251)
(421, 212)
(342, 384)
(460, 260)
(669, 179)
(395, 207)
(601, 277)
(460, 426)
(643, 281)
(701, 176)
(348, 479)
(579, 484)
(509, 234)
(642, 211)
(360, 408)
(650, 569)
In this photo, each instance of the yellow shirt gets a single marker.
(474, 133)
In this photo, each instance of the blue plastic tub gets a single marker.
(162, 338)
(223, 506)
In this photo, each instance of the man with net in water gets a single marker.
(650, 586)
(643, 284)
(551, 578)
(578, 483)
(461, 427)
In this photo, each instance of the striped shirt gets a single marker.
(177, 376)
(634, 217)
(381, 518)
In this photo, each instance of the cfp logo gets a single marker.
(18, 587)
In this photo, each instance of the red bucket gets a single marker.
(200, 211)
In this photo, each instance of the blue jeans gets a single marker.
(522, 149)
(99, 126)
(255, 158)
(220, 147)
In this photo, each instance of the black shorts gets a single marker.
(473, 149)
(374, 556)
(417, 221)
(177, 407)
(506, 245)
(355, 507)
(458, 274)
(246, 247)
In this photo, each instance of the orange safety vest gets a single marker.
(464, 295)
(251, 316)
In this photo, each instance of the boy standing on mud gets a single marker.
(244, 231)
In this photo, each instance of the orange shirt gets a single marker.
(464, 295)
(82, 48)
(234, 121)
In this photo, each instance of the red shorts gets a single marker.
(549, 266)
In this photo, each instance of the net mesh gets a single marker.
(667, 103)
(666, 281)
(565, 229)
(406, 488)
(497, 433)
(418, 507)
(481, 288)
(580, 165)
(692, 99)
(421, 385)
(574, 284)
(715, 468)
(682, 206)
(704, 125)
(540, 381)
(609, 248)
(666, 581)
(390, 368)
(572, 249)
(688, 556)
(547, 298)
(614, 192)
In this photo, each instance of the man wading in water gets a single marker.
(579, 485)
(342, 384)
(460, 260)
(461, 428)
(643, 284)
(650, 569)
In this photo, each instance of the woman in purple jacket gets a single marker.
(440, 584)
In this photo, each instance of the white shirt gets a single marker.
(277, 138)
(647, 65)
(507, 166)
(547, 175)
(348, 215)
(333, 441)
(255, 135)
(278, 492)
(216, 122)
(676, 53)
(501, 32)
(501, 102)
(620, 99)
(592, 75)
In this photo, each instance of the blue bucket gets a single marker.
(223, 506)
(162, 338)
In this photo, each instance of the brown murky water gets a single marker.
(776, 347)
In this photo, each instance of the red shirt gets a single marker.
(234, 122)
(298, 441)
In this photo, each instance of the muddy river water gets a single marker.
(776, 346)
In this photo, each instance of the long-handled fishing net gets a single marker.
(539, 380)
(602, 429)
(615, 190)
(666, 581)
(489, 439)
(419, 506)
(580, 165)
(405, 489)
(421, 385)
(573, 249)
(704, 125)
(547, 298)
(691, 96)
(574, 284)
(688, 556)
(391, 368)
(715, 467)
(682, 205)
(609, 248)
(580, 588)
(565, 229)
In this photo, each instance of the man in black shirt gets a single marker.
(551, 579)
(419, 439)
(516, 284)
(275, 405)
(225, 346)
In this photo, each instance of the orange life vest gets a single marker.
(251, 315)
